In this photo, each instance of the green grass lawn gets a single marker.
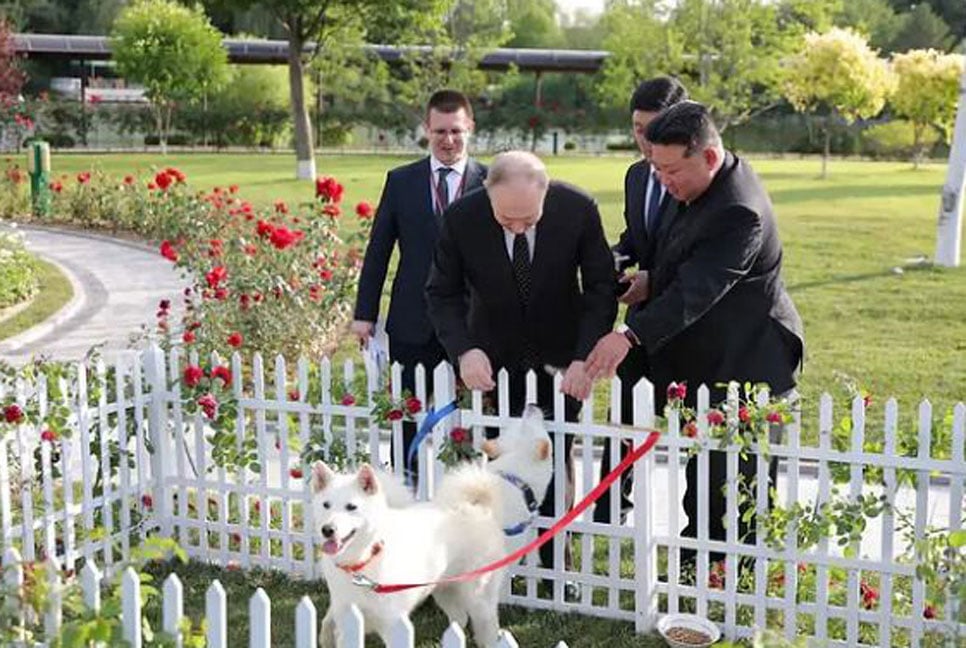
(898, 334)
(54, 292)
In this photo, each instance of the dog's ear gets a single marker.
(367, 479)
(322, 476)
(543, 450)
(490, 448)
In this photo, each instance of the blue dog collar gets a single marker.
(529, 498)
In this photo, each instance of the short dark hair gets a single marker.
(654, 95)
(687, 123)
(449, 101)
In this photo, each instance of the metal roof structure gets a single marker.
(266, 52)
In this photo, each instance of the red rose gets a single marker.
(715, 417)
(774, 417)
(867, 400)
(235, 339)
(193, 375)
(209, 404)
(929, 612)
(84, 177)
(459, 435)
(281, 207)
(215, 276)
(163, 180)
(56, 187)
(250, 250)
(48, 435)
(349, 400)
(328, 189)
(233, 188)
(870, 595)
(222, 372)
(175, 174)
(168, 251)
(326, 275)
(152, 186)
(147, 501)
(413, 405)
(129, 180)
(282, 237)
(294, 395)
(332, 210)
(188, 337)
(13, 414)
(296, 473)
(264, 228)
(690, 430)
(394, 414)
(677, 391)
(364, 210)
(743, 414)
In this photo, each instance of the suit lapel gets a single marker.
(423, 196)
(635, 206)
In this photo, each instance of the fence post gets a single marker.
(454, 637)
(173, 608)
(260, 620)
(402, 634)
(645, 551)
(444, 386)
(13, 579)
(131, 607)
(306, 624)
(54, 616)
(507, 640)
(351, 626)
(216, 615)
(161, 447)
(90, 578)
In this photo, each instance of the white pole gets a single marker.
(950, 228)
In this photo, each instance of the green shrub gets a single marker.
(895, 139)
(18, 271)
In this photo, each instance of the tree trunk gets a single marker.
(304, 153)
(827, 148)
(162, 136)
(917, 152)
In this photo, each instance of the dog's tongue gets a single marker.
(330, 547)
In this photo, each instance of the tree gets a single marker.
(534, 24)
(922, 28)
(172, 51)
(876, 19)
(12, 76)
(926, 92)
(838, 75)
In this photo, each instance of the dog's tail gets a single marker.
(470, 486)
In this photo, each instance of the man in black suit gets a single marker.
(523, 279)
(410, 213)
(717, 309)
(645, 202)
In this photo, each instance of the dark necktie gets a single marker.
(442, 187)
(521, 272)
(653, 216)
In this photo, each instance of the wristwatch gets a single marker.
(626, 331)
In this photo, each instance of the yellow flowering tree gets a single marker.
(838, 75)
(926, 92)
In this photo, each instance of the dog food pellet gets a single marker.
(688, 636)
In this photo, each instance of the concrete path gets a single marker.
(117, 287)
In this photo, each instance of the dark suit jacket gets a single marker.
(472, 292)
(634, 242)
(718, 309)
(405, 214)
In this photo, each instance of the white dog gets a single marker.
(367, 534)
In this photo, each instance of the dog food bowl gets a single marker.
(688, 631)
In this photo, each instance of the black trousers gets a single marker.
(545, 398)
(408, 356)
(634, 367)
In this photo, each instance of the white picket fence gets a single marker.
(84, 509)
(351, 625)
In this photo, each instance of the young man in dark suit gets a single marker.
(410, 213)
(717, 309)
(523, 279)
(645, 204)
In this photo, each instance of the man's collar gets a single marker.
(459, 167)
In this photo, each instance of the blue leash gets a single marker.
(432, 418)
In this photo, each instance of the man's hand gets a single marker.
(475, 370)
(639, 288)
(363, 331)
(576, 382)
(608, 353)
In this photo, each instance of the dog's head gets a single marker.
(523, 449)
(346, 506)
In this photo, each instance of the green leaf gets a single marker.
(957, 539)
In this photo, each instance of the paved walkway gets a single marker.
(117, 287)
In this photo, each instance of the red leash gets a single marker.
(592, 496)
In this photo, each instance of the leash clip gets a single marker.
(361, 580)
